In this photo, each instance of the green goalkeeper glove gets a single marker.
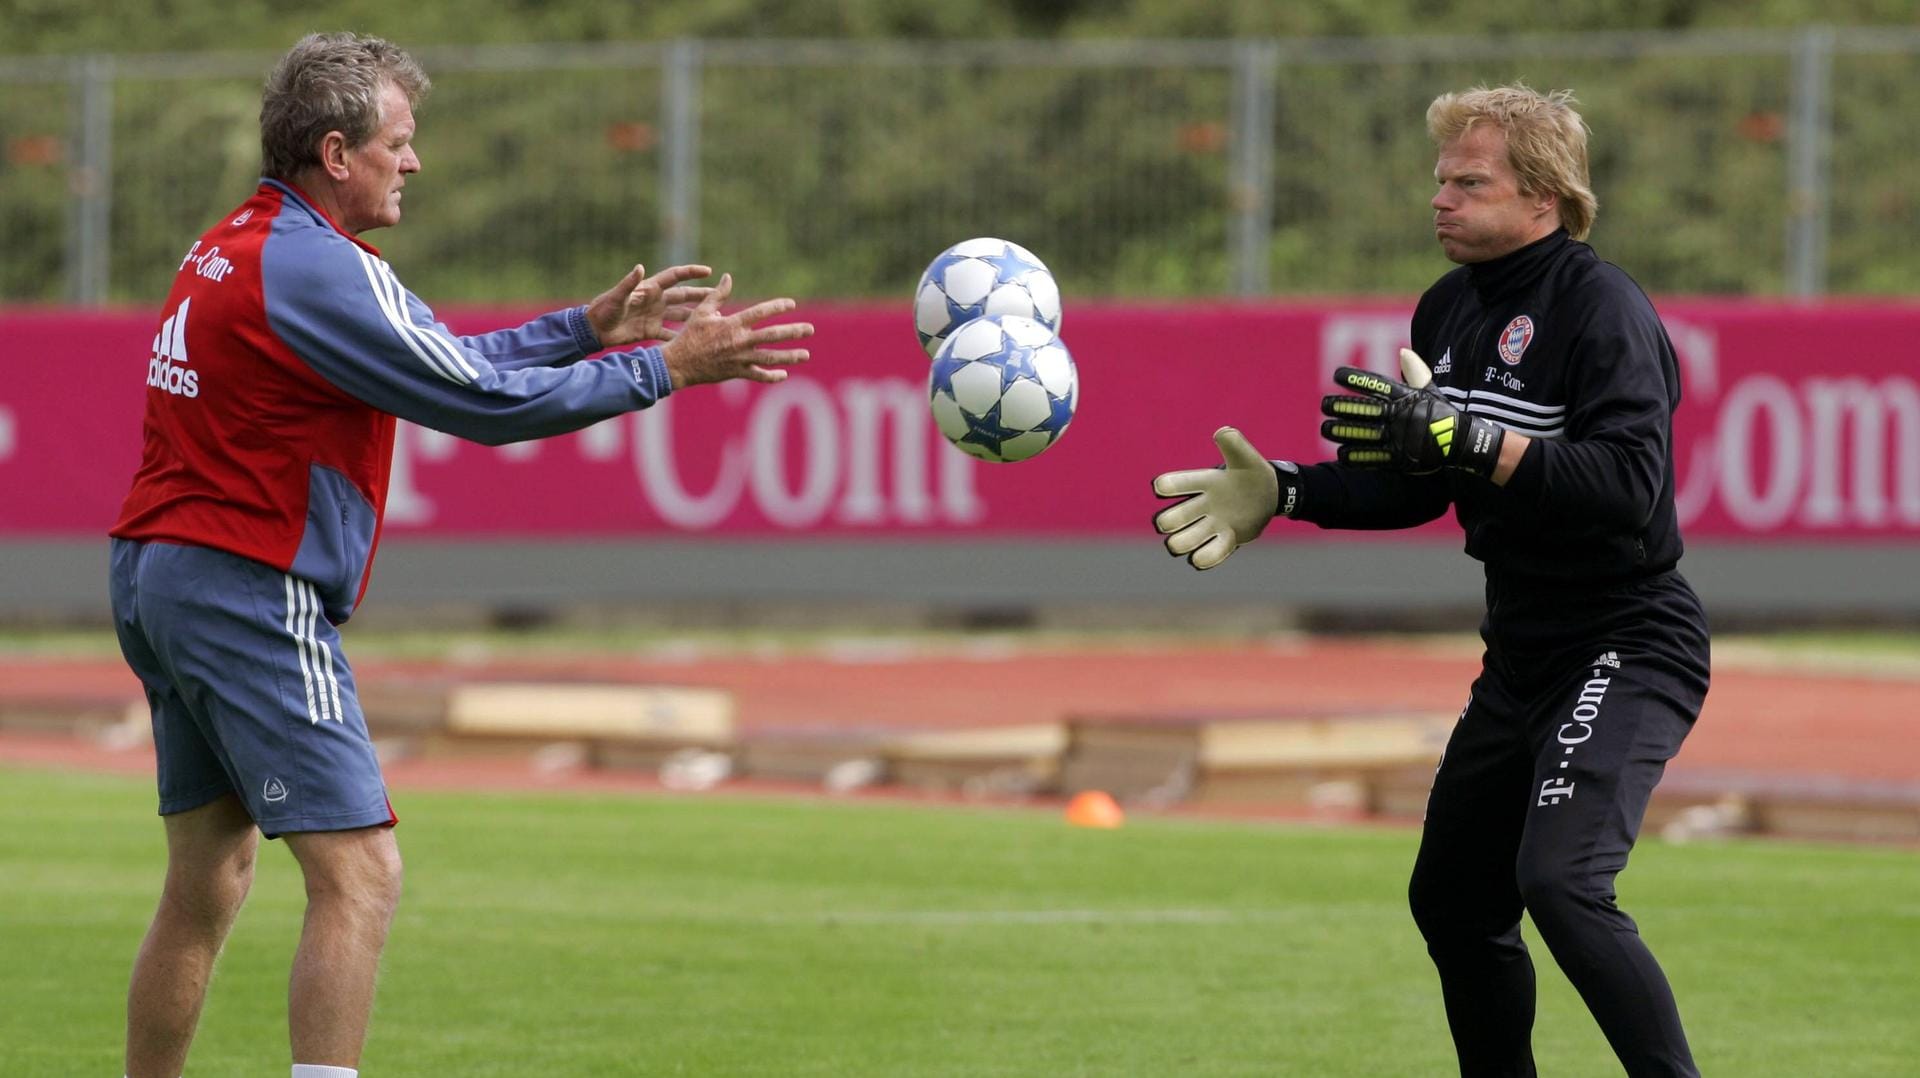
(1225, 507)
(1410, 427)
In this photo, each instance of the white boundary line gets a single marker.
(1033, 917)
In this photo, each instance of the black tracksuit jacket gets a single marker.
(1551, 342)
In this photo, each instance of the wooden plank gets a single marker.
(1372, 740)
(569, 711)
(1030, 741)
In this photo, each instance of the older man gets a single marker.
(288, 349)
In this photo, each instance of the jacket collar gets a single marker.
(300, 199)
(1498, 277)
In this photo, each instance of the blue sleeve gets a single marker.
(553, 339)
(344, 313)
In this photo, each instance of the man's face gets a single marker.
(370, 197)
(1480, 212)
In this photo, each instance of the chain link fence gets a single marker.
(1768, 163)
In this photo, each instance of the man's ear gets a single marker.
(333, 154)
(1547, 204)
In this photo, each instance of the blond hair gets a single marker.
(329, 82)
(1546, 142)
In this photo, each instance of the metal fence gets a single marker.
(1750, 163)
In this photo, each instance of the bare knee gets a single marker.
(357, 871)
(370, 883)
(209, 871)
(209, 898)
(383, 879)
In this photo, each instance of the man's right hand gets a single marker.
(1224, 507)
(639, 307)
(715, 347)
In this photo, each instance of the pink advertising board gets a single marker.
(1800, 423)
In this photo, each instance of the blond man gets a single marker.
(1537, 404)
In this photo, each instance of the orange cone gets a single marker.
(1094, 808)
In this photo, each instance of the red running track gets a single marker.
(1760, 720)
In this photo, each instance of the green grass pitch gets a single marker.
(728, 935)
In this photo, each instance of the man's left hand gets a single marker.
(639, 307)
(1408, 426)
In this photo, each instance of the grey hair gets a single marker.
(329, 82)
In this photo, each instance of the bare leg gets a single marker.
(353, 886)
(210, 853)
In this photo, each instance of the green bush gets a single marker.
(839, 174)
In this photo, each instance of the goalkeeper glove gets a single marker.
(1410, 427)
(1225, 507)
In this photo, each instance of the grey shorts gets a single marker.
(249, 690)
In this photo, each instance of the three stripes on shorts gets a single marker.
(316, 658)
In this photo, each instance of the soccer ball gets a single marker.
(1003, 388)
(980, 277)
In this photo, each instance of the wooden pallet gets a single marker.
(1319, 760)
(610, 725)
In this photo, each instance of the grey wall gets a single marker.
(1370, 582)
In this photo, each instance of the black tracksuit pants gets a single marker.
(1581, 700)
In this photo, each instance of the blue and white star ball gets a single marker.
(979, 277)
(1004, 388)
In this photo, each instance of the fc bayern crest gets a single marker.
(1515, 338)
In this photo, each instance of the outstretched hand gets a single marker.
(639, 307)
(1223, 508)
(715, 347)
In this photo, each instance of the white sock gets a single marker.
(315, 1070)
